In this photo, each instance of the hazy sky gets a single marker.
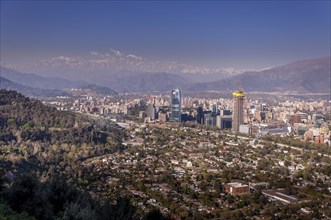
(245, 34)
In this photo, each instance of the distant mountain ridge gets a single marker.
(31, 84)
(311, 76)
(117, 61)
(101, 90)
(36, 81)
(30, 91)
(302, 76)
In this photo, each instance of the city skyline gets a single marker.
(165, 109)
(224, 34)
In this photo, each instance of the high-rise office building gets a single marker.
(214, 108)
(209, 120)
(200, 115)
(176, 106)
(151, 110)
(224, 121)
(238, 110)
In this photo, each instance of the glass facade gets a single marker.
(176, 106)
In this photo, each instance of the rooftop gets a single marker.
(236, 184)
(238, 94)
(280, 195)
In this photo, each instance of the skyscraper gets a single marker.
(152, 111)
(200, 115)
(238, 110)
(176, 107)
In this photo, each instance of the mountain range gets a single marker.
(37, 81)
(312, 76)
(99, 90)
(301, 76)
(30, 91)
(116, 61)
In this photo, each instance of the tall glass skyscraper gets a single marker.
(176, 106)
(238, 110)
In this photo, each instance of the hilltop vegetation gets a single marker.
(24, 119)
(18, 111)
(42, 170)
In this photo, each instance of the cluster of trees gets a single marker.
(56, 199)
(22, 116)
(23, 119)
(18, 111)
(322, 148)
(41, 170)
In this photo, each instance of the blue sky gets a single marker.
(242, 34)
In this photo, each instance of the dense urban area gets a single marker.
(165, 110)
(165, 156)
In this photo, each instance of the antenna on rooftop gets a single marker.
(240, 87)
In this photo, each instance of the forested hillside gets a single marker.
(42, 154)
(24, 119)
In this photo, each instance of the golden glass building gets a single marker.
(238, 110)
